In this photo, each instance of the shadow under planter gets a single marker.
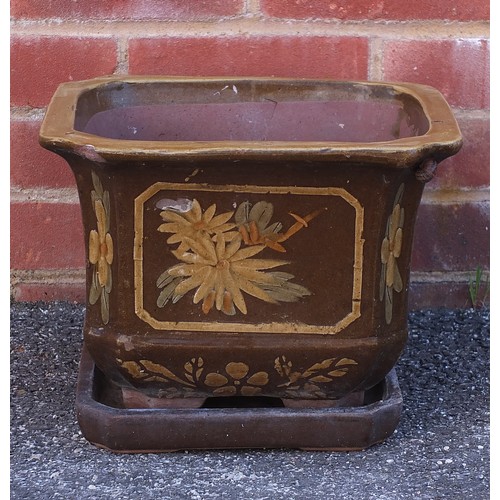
(248, 244)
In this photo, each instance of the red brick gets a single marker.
(471, 166)
(336, 57)
(40, 64)
(451, 237)
(46, 236)
(171, 10)
(49, 292)
(453, 10)
(457, 68)
(32, 165)
(441, 294)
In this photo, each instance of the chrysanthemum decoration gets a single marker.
(390, 278)
(101, 249)
(217, 257)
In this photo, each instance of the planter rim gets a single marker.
(442, 139)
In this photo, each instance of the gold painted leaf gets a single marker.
(242, 213)
(105, 307)
(215, 380)
(259, 378)
(194, 215)
(168, 292)
(189, 377)
(245, 253)
(109, 281)
(109, 249)
(208, 302)
(209, 213)
(206, 286)
(97, 185)
(385, 251)
(318, 367)
(258, 264)
(170, 227)
(94, 247)
(398, 242)
(398, 282)
(133, 369)
(102, 271)
(101, 219)
(402, 217)
(338, 373)
(394, 223)
(254, 290)
(250, 391)
(95, 289)
(389, 275)
(192, 282)
(107, 208)
(388, 305)
(261, 213)
(320, 379)
(233, 247)
(229, 390)
(399, 194)
(287, 292)
(346, 361)
(170, 216)
(157, 369)
(228, 304)
(164, 279)
(221, 219)
(233, 288)
(237, 370)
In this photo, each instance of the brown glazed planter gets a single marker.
(247, 238)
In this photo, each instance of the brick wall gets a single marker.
(443, 43)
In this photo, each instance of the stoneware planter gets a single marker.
(248, 247)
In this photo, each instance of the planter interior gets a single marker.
(247, 237)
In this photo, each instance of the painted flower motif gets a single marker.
(390, 279)
(221, 271)
(194, 223)
(101, 249)
(237, 381)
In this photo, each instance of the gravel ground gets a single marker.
(440, 449)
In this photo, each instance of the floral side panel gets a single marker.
(390, 278)
(100, 249)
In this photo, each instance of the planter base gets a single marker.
(229, 423)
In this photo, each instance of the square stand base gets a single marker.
(261, 425)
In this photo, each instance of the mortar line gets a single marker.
(66, 196)
(78, 275)
(69, 195)
(375, 59)
(122, 67)
(254, 26)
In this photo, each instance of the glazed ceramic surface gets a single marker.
(248, 236)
